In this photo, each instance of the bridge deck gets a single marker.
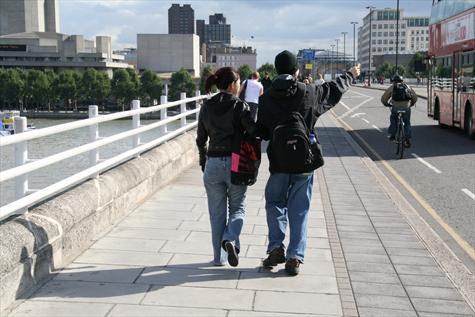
(156, 262)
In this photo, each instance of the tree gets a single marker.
(11, 87)
(416, 65)
(123, 88)
(207, 70)
(37, 86)
(67, 88)
(152, 86)
(52, 94)
(181, 81)
(244, 72)
(388, 70)
(269, 69)
(95, 86)
(134, 78)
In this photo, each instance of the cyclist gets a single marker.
(402, 97)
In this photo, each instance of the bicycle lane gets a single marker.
(436, 169)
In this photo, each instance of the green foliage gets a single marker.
(181, 81)
(124, 88)
(151, 86)
(388, 70)
(204, 75)
(417, 65)
(67, 87)
(269, 69)
(244, 72)
(11, 85)
(37, 86)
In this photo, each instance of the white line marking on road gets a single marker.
(365, 120)
(432, 167)
(353, 109)
(344, 105)
(358, 114)
(358, 93)
(376, 128)
(469, 193)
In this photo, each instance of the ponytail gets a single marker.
(221, 79)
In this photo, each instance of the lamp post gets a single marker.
(331, 61)
(344, 47)
(369, 50)
(354, 42)
(337, 56)
(397, 36)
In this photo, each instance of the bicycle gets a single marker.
(400, 137)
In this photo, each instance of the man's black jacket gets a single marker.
(287, 95)
(217, 123)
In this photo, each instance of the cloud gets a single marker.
(275, 25)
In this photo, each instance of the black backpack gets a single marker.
(401, 92)
(291, 149)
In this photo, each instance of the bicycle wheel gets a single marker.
(402, 144)
(399, 138)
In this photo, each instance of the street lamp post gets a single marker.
(337, 56)
(344, 48)
(331, 61)
(397, 36)
(354, 42)
(369, 50)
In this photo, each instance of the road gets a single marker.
(439, 167)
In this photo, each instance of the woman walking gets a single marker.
(221, 117)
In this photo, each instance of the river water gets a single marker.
(57, 143)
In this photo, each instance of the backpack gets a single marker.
(242, 95)
(401, 92)
(291, 149)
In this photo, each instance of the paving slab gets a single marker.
(61, 309)
(152, 311)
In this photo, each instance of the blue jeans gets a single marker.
(287, 202)
(406, 117)
(223, 198)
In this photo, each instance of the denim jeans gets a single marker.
(287, 203)
(406, 117)
(223, 198)
(254, 108)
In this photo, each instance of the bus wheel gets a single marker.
(468, 122)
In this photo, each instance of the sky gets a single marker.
(275, 25)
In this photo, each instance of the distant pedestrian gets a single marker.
(217, 124)
(319, 80)
(252, 89)
(287, 115)
(266, 81)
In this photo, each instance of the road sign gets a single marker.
(308, 55)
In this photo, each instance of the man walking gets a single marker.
(289, 188)
(252, 89)
(266, 82)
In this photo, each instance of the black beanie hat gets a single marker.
(285, 63)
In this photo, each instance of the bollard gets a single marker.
(21, 156)
(163, 113)
(183, 108)
(135, 123)
(93, 136)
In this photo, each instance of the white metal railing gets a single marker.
(23, 166)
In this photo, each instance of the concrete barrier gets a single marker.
(35, 245)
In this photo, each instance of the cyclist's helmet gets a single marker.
(397, 79)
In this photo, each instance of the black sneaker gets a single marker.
(292, 267)
(392, 138)
(276, 256)
(233, 258)
(407, 143)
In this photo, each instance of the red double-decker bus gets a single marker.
(451, 84)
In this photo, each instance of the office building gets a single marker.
(217, 31)
(58, 51)
(221, 56)
(200, 31)
(181, 19)
(20, 16)
(413, 35)
(168, 53)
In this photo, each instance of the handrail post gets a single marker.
(183, 108)
(163, 113)
(21, 156)
(93, 136)
(136, 123)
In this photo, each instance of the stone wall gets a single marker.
(35, 245)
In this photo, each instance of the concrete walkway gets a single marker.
(362, 258)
